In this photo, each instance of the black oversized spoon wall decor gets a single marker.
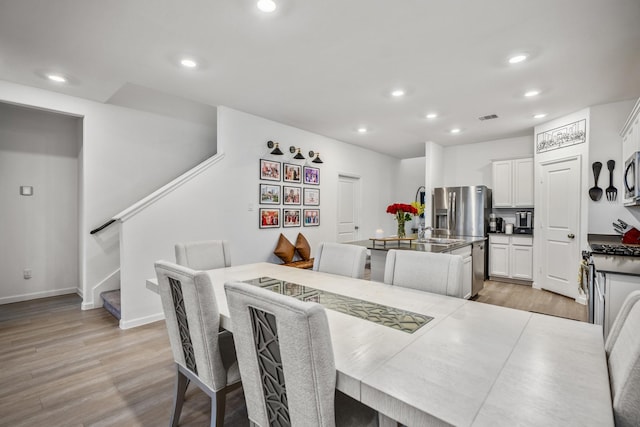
(595, 192)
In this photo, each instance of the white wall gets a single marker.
(222, 203)
(606, 144)
(39, 232)
(470, 164)
(126, 155)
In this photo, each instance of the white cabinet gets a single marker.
(512, 183)
(467, 270)
(511, 256)
(630, 138)
(616, 289)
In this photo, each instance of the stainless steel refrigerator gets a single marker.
(464, 211)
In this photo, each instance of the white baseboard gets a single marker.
(141, 321)
(37, 295)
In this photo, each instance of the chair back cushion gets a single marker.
(192, 319)
(204, 255)
(285, 356)
(343, 259)
(425, 271)
(624, 365)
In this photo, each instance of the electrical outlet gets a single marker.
(27, 273)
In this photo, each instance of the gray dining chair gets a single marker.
(426, 271)
(286, 361)
(342, 259)
(623, 359)
(204, 255)
(202, 355)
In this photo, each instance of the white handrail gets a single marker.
(166, 189)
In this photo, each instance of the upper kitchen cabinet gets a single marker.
(631, 133)
(513, 183)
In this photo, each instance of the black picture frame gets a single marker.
(270, 194)
(311, 217)
(267, 216)
(311, 196)
(311, 175)
(291, 218)
(270, 170)
(291, 195)
(292, 173)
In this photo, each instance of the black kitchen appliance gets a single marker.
(524, 222)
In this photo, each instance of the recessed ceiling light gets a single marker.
(267, 6)
(397, 93)
(188, 63)
(455, 130)
(532, 93)
(362, 130)
(517, 58)
(540, 116)
(57, 78)
(431, 116)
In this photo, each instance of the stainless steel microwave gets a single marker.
(632, 180)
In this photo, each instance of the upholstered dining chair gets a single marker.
(286, 361)
(623, 359)
(342, 259)
(204, 255)
(202, 355)
(425, 271)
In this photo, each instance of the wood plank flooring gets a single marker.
(61, 366)
(526, 298)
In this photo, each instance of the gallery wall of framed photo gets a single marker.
(288, 195)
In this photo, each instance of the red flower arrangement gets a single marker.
(402, 212)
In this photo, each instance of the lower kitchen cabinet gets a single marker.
(467, 270)
(511, 257)
(616, 289)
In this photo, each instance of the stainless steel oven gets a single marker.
(632, 180)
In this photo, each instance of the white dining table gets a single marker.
(473, 364)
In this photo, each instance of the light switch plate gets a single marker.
(26, 190)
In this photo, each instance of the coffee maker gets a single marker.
(524, 222)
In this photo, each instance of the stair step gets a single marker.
(111, 302)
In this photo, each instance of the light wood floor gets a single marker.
(61, 366)
(526, 298)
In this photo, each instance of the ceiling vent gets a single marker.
(489, 117)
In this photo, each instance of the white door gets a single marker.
(498, 260)
(559, 215)
(348, 212)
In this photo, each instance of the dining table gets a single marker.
(424, 359)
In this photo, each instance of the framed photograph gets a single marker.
(269, 218)
(269, 170)
(311, 217)
(291, 195)
(311, 175)
(291, 217)
(292, 173)
(312, 196)
(269, 194)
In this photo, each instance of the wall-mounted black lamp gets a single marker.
(298, 155)
(317, 157)
(276, 151)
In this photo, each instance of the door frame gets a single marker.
(358, 201)
(582, 215)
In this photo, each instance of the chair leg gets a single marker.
(217, 408)
(178, 399)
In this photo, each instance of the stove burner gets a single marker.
(615, 250)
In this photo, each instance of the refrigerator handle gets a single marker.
(449, 213)
(454, 212)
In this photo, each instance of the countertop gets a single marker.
(418, 246)
(614, 264)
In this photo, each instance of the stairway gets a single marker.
(111, 302)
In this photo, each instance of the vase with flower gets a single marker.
(402, 212)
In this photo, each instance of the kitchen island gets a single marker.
(470, 248)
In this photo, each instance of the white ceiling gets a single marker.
(328, 66)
